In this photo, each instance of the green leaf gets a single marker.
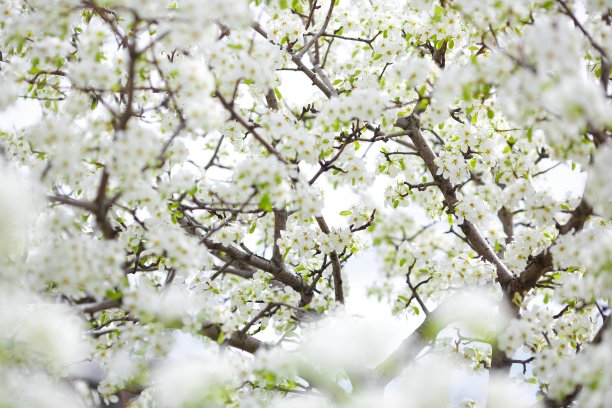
(490, 113)
(193, 190)
(278, 94)
(283, 4)
(402, 164)
(423, 104)
(265, 203)
(297, 6)
(113, 294)
(347, 212)
(403, 261)
(336, 125)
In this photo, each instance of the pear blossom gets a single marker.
(251, 203)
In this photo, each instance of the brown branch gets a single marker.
(84, 205)
(258, 262)
(236, 339)
(280, 273)
(104, 305)
(579, 216)
(414, 289)
(271, 100)
(131, 78)
(316, 37)
(267, 311)
(335, 261)
(210, 330)
(222, 269)
(368, 41)
(567, 11)
(280, 216)
(505, 217)
(411, 125)
(604, 326)
(250, 128)
(280, 224)
(413, 344)
(543, 261)
(98, 207)
(327, 91)
(243, 273)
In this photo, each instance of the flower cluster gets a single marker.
(598, 188)
(363, 104)
(295, 141)
(72, 271)
(264, 176)
(452, 166)
(527, 242)
(472, 208)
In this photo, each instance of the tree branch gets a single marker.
(335, 261)
(316, 37)
(327, 91)
(411, 125)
